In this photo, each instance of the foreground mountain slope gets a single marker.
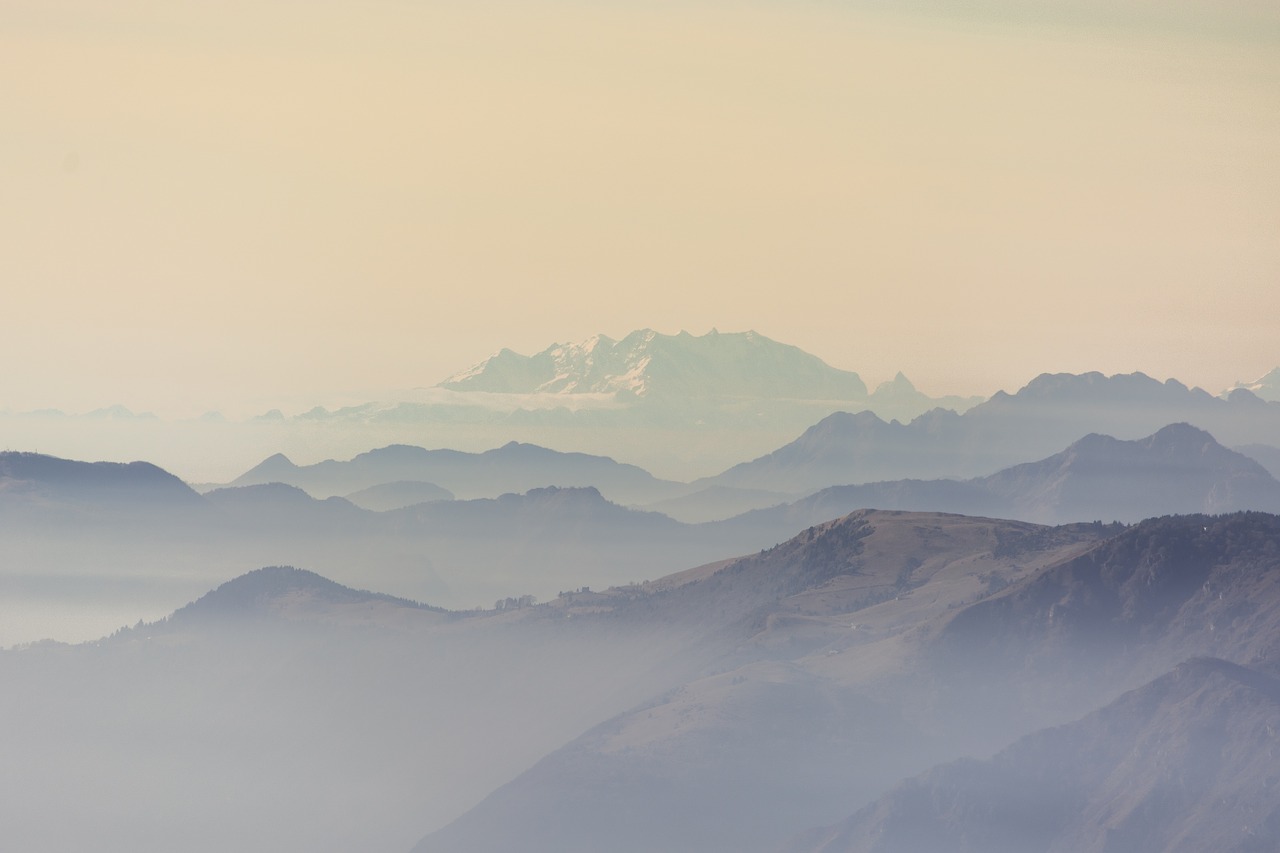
(1174, 765)
(877, 644)
(786, 727)
(284, 713)
(1132, 607)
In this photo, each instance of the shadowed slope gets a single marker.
(771, 737)
(1175, 765)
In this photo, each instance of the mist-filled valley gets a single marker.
(701, 427)
(863, 639)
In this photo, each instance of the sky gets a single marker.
(221, 205)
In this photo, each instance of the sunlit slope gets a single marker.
(791, 722)
(873, 647)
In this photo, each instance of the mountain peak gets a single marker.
(272, 590)
(276, 467)
(1180, 434)
(1267, 388)
(646, 363)
(1178, 469)
(898, 385)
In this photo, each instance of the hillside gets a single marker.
(1174, 765)
(1173, 587)
(285, 712)
(873, 647)
(48, 480)
(731, 706)
(783, 728)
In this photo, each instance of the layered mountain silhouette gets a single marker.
(1049, 413)
(514, 467)
(749, 704)
(550, 538)
(1178, 469)
(464, 552)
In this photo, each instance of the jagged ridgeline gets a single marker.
(646, 363)
(649, 366)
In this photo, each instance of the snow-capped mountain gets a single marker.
(1266, 388)
(647, 364)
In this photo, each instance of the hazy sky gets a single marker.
(213, 205)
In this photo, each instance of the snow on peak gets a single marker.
(645, 362)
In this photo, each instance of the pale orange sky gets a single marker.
(214, 205)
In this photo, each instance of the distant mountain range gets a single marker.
(538, 535)
(62, 517)
(40, 479)
(685, 367)
(1049, 413)
(514, 467)
(1266, 388)
(683, 407)
(398, 494)
(1178, 469)
(645, 363)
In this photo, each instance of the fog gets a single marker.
(735, 707)
(312, 725)
(1025, 606)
